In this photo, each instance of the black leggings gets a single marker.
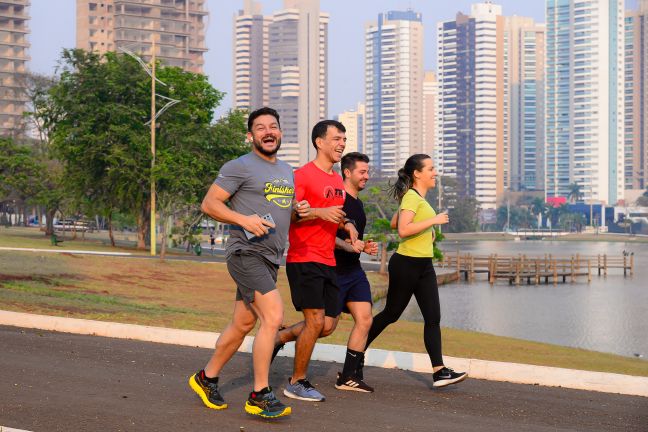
(407, 276)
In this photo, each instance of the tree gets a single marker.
(103, 141)
(575, 193)
(382, 233)
(184, 172)
(642, 201)
(42, 115)
(20, 173)
(538, 208)
(463, 216)
(517, 217)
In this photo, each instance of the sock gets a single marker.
(261, 392)
(359, 370)
(351, 363)
(213, 380)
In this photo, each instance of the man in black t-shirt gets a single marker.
(355, 292)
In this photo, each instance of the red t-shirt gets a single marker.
(314, 240)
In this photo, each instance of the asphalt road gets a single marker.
(60, 382)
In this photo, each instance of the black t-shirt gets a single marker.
(354, 209)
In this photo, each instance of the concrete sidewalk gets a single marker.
(416, 362)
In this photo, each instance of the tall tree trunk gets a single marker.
(143, 225)
(163, 234)
(110, 230)
(49, 223)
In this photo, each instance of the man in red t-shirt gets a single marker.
(310, 264)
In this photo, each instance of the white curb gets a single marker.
(71, 251)
(417, 362)
(7, 429)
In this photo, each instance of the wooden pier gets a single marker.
(521, 268)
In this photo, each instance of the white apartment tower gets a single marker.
(14, 16)
(177, 25)
(636, 97)
(524, 119)
(472, 102)
(353, 122)
(393, 89)
(584, 99)
(251, 74)
(430, 112)
(298, 78)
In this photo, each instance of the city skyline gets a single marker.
(502, 153)
(346, 31)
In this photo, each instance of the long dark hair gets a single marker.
(405, 179)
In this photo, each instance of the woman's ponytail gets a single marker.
(406, 176)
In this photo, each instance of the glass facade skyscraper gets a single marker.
(584, 99)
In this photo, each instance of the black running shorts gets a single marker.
(313, 286)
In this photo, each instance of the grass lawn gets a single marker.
(199, 296)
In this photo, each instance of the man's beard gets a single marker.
(258, 144)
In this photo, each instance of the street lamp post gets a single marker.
(153, 224)
(154, 115)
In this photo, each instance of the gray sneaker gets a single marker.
(303, 390)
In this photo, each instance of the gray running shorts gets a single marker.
(251, 273)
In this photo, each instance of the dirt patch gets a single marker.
(47, 280)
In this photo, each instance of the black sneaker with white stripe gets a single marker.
(447, 376)
(352, 384)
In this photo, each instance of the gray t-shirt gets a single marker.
(261, 187)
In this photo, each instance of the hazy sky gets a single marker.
(346, 37)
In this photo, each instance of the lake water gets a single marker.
(609, 314)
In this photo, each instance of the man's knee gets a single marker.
(273, 319)
(314, 321)
(363, 322)
(244, 324)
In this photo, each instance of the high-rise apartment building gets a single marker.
(298, 76)
(524, 119)
(177, 25)
(584, 99)
(393, 88)
(430, 112)
(353, 121)
(636, 97)
(14, 15)
(472, 102)
(281, 61)
(251, 74)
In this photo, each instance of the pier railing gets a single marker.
(535, 269)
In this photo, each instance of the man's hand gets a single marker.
(256, 225)
(370, 247)
(353, 232)
(356, 247)
(302, 209)
(331, 214)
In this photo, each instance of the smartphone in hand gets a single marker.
(267, 217)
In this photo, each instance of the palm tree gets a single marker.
(538, 207)
(575, 193)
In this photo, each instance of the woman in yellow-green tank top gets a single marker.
(410, 269)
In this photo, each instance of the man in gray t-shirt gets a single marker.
(255, 185)
(258, 186)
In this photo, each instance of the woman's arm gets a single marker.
(408, 228)
(394, 221)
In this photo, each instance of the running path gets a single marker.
(63, 382)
